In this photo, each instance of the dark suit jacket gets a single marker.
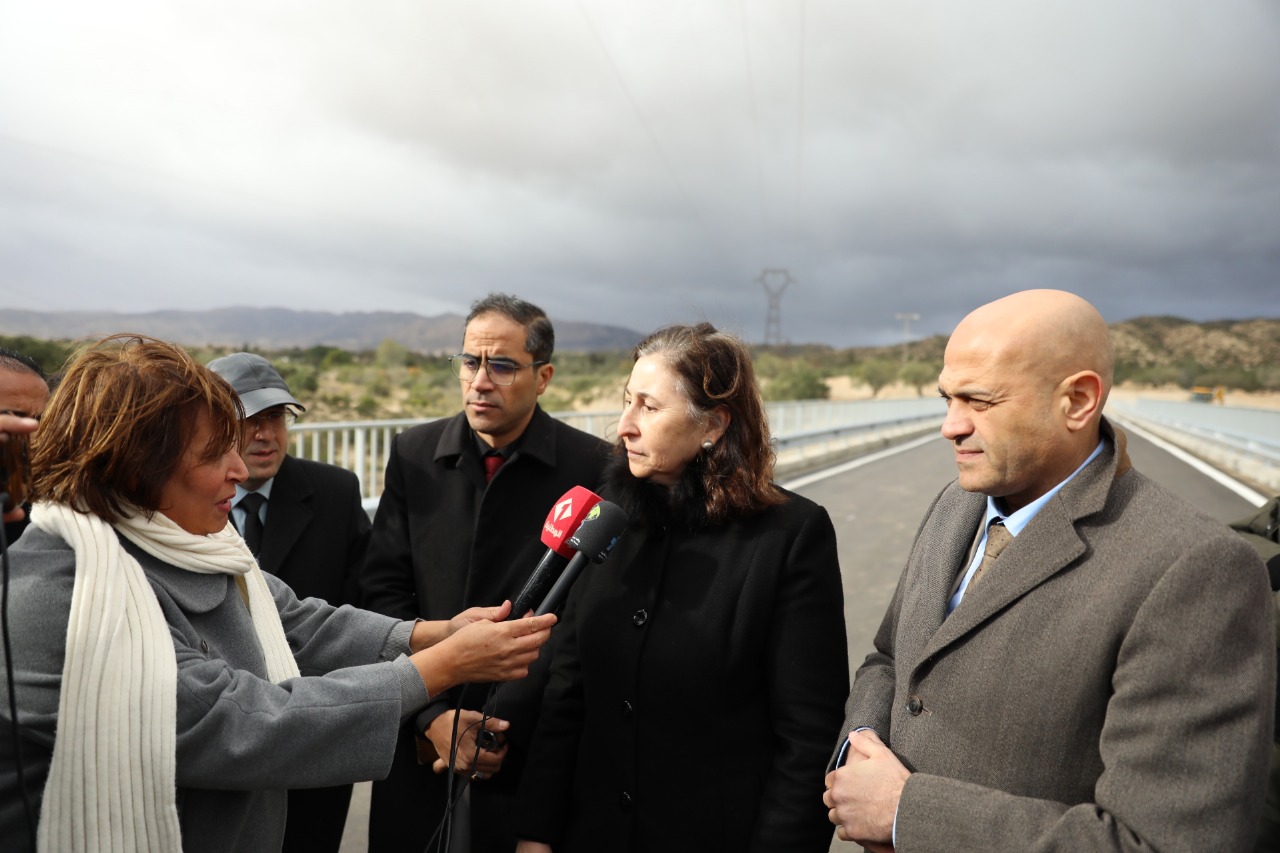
(316, 531)
(444, 540)
(694, 693)
(1108, 686)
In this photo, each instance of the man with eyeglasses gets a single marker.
(304, 522)
(458, 525)
(23, 393)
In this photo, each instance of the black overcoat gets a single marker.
(316, 531)
(444, 541)
(695, 691)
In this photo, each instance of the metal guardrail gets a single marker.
(809, 432)
(362, 447)
(1245, 442)
(804, 451)
(804, 431)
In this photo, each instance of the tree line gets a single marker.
(393, 381)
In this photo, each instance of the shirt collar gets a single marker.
(538, 441)
(1016, 521)
(264, 490)
(483, 449)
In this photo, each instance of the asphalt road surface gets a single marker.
(876, 504)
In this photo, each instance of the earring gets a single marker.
(708, 444)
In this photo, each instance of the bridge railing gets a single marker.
(1244, 441)
(804, 432)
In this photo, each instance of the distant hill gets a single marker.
(1147, 342)
(1166, 341)
(283, 328)
(1144, 342)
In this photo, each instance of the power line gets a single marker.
(798, 219)
(761, 223)
(653, 138)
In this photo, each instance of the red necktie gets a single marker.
(492, 462)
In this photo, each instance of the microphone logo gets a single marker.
(565, 516)
(562, 510)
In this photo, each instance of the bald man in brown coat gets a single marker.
(1107, 681)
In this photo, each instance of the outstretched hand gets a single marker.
(478, 614)
(482, 651)
(498, 651)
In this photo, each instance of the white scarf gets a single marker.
(111, 784)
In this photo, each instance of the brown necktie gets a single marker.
(251, 504)
(492, 462)
(998, 538)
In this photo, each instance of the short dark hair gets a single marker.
(714, 370)
(540, 337)
(121, 422)
(17, 362)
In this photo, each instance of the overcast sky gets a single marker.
(642, 163)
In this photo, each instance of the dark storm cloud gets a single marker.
(640, 165)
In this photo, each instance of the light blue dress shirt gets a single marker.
(238, 512)
(1014, 523)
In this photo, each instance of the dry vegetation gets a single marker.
(1156, 356)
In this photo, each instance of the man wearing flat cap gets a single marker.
(304, 522)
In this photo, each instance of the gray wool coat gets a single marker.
(241, 740)
(1109, 686)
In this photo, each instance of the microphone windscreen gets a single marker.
(599, 531)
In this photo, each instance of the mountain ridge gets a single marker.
(281, 328)
(1150, 341)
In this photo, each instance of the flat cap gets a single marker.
(259, 385)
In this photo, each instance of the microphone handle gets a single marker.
(544, 575)
(560, 591)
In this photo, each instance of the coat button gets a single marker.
(624, 800)
(914, 706)
(640, 617)
(628, 710)
(204, 647)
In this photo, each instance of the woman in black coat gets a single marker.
(701, 672)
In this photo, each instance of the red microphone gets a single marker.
(564, 519)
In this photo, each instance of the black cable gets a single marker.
(9, 682)
(444, 830)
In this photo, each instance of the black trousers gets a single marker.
(316, 819)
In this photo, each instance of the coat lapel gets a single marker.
(941, 558)
(1045, 547)
(288, 514)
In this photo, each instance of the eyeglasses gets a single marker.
(501, 371)
(273, 419)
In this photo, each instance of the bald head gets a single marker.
(1049, 334)
(1025, 379)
